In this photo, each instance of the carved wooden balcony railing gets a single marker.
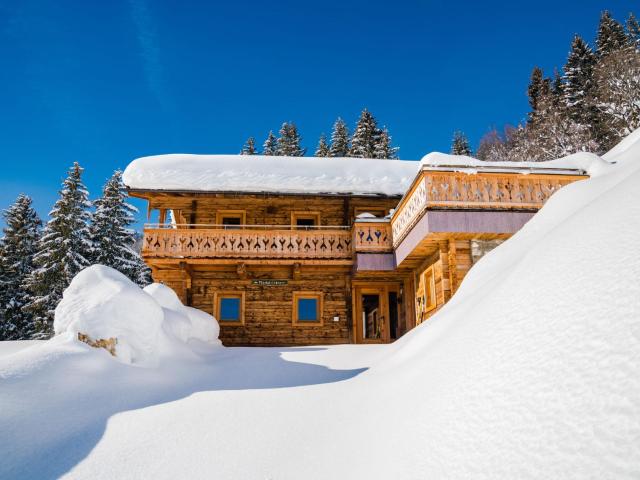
(371, 236)
(490, 191)
(273, 242)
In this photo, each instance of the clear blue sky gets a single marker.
(105, 82)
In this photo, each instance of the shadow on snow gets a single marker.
(72, 419)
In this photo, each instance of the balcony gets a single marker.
(514, 189)
(247, 241)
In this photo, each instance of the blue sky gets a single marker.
(105, 82)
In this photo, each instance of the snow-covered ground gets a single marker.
(531, 371)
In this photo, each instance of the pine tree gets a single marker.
(17, 250)
(633, 31)
(323, 148)
(365, 136)
(339, 139)
(63, 250)
(383, 148)
(249, 148)
(113, 241)
(270, 146)
(578, 82)
(611, 36)
(538, 86)
(289, 141)
(617, 78)
(460, 145)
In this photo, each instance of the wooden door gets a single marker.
(371, 314)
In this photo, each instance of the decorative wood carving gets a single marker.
(372, 237)
(490, 191)
(219, 243)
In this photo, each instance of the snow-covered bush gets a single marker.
(102, 304)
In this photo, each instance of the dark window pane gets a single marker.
(305, 222)
(308, 309)
(231, 221)
(229, 310)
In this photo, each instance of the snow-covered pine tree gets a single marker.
(17, 249)
(339, 139)
(460, 145)
(323, 148)
(365, 136)
(270, 146)
(633, 31)
(249, 148)
(611, 36)
(384, 148)
(538, 86)
(63, 250)
(289, 141)
(113, 241)
(578, 85)
(617, 77)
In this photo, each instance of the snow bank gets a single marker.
(103, 303)
(256, 173)
(582, 162)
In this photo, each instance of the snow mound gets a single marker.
(583, 162)
(257, 173)
(188, 323)
(102, 303)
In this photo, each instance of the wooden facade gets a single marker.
(306, 269)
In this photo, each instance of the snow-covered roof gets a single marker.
(257, 173)
(578, 163)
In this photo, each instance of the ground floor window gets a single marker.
(229, 308)
(307, 308)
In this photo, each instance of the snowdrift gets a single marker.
(102, 303)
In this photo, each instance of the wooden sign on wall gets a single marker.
(269, 283)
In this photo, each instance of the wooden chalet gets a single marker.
(302, 251)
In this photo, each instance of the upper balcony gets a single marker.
(514, 189)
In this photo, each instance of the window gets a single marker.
(305, 220)
(231, 219)
(307, 308)
(425, 294)
(229, 308)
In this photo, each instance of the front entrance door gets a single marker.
(376, 313)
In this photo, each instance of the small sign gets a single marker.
(269, 283)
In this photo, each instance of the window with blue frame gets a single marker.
(307, 308)
(229, 308)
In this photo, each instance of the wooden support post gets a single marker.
(446, 276)
(453, 266)
(187, 275)
(192, 216)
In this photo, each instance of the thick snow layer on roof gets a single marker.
(257, 173)
(583, 162)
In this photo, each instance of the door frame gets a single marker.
(358, 288)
